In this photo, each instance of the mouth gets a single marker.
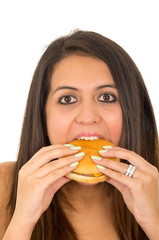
(88, 136)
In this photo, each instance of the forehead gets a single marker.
(80, 70)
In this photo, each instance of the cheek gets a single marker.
(57, 127)
(114, 123)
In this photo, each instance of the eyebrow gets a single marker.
(76, 89)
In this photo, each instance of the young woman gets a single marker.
(84, 85)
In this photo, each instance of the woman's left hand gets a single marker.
(141, 191)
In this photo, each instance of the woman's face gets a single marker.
(83, 101)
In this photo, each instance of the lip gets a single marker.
(87, 134)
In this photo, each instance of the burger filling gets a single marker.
(89, 175)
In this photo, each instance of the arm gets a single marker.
(38, 181)
(6, 175)
(16, 231)
(152, 231)
(140, 192)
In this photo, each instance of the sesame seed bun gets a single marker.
(87, 171)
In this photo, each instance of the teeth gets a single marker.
(88, 138)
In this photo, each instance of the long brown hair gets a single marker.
(139, 127)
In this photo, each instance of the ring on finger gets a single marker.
(130, 170)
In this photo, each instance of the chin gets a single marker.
(83, 184)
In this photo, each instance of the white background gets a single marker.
(27, 27)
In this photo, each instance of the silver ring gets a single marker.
(130, 170)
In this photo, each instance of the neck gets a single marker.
(92, 204)
(90, 196)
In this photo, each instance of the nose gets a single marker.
(88, 114)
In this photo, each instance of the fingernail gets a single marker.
(79, 154)
(107, 147)
(96, 158)
(101, 167)
(103, 151)
(75, 148)
(74, 164)
(68, 145)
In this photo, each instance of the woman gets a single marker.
(87, 85)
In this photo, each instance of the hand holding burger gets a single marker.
(87, 171)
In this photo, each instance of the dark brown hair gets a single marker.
(139, 127)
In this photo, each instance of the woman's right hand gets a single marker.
(39, 179)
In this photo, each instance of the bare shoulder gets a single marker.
(7, 168)
(6, 171)
(6, 177)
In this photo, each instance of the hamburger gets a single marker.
(87, 171)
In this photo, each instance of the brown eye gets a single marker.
(107, 98)
(67, 100)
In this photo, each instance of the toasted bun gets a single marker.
(87, 171)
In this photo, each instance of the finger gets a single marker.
(57, 174)
(128, 155)
(116, 166)
(47, 148)
(57, 164)
(119, 177)
(44, 156)
(58, 184)
(116, 184)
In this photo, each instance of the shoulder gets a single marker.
(7, 168)
(6, 176)
(6, 173)
(6, 179)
